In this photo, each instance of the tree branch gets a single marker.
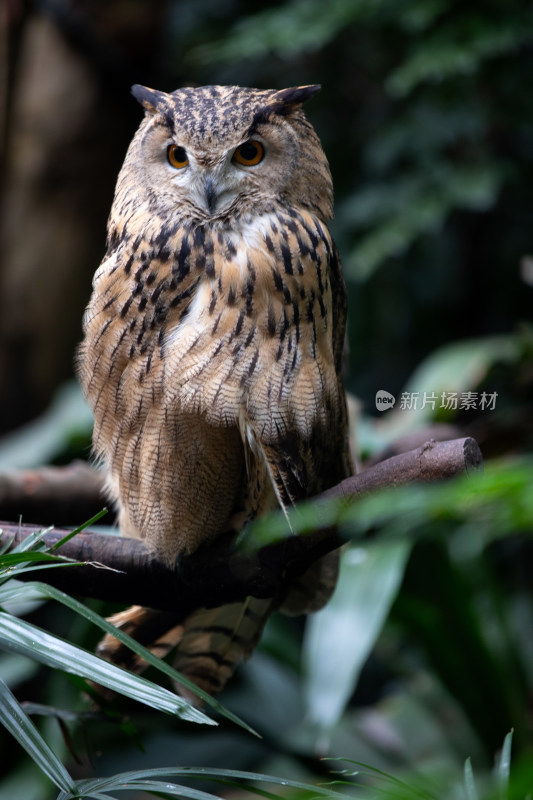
(64, 494)
(218, 573)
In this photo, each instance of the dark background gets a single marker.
(426, 117)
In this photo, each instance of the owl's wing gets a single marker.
(297, 405)
(302, 431)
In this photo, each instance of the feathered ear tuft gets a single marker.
(285, 101)
(150, 99)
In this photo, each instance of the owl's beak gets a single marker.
(210, 194)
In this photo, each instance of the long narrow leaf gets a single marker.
(34, 543)
(79, 529)
(147, 780)
(77, 794)
(121, 783)
(15, 591)
(470, 786)
(503, 767)
(340, 637)
(22, 637)
(24, 731)
(57, 562)
(386, 777)
(9, 560)
(205, 773)
(31, 541)
(42, 591)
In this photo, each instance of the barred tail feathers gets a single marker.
(159, 631)
(209, 644)
(216, 640)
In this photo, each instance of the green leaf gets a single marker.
(339, 638)
(32, 541)
(79, 529)
(470, 786)
(58, 561)
(9, 560)
(443, 53)
(409, 206)
(41, 591)
(503, 767)
(287, 29)
(15, 669)
(78, 794)
(404, 790)
(128, 779)
(19, 636)
(24, 731)
(119, 784)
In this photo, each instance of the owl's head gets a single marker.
(219, 152)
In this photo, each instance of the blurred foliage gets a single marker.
(424, 657)
(417, 663)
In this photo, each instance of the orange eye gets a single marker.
(250, 153)
(176, 156)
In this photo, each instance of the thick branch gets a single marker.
(62, 494)
(219, 574)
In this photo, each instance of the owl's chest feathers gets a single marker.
(204, 310)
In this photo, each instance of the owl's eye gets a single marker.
(250, 153)
(176, 156)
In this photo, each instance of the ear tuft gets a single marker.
(296, 95)
(286, 100)
(150, 99)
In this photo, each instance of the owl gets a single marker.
(213, 342)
